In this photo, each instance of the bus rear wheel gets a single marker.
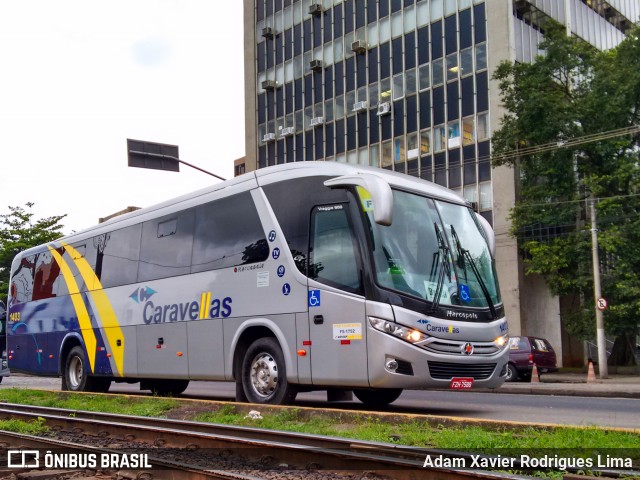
(264, 374)
(378, 397)
(76, 376)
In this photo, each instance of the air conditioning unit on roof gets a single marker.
(269, 84)
(287, 131)
(360, 106)
(316, 121)
(384, 108)
(268, 137)
(359, 46)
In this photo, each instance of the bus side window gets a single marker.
(228, 233)
(168, 255)
(117, 256)
(332, 250)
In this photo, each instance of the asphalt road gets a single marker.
(610, 412)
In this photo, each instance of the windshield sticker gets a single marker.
(464, 293)
(330, 208)
(431, 288)
(365, 199)
(263, 279)
(347, 331)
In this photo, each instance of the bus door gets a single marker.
(336, 304)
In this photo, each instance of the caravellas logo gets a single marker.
(430, 327)
(142, 294)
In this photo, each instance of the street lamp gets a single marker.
(158, 156)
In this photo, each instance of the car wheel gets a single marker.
(264, 374)
(512, 373)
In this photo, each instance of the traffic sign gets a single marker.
(602, 304)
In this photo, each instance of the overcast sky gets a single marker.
(79, 77)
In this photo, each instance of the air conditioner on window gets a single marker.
(287, 131)
(269, 84)
(384, 108)
(315, 121)
(315, 9)
(268, 137)
(360, 106)
(316, 65)
(359, 46)
(268, 32)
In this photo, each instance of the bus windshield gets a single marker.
(435, 251)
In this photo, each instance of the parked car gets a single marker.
(524, 352)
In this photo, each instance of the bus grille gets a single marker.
(453, 347)
(446, 371)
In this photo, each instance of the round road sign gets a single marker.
(602, 303)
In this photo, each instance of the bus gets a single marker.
(4, 370)
(297, 277)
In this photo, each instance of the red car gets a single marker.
(524, 352)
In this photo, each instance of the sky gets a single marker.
(79, 77)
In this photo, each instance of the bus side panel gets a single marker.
(206, 349)
(162, 350)
(303, 343)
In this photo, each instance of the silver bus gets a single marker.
(299, 277)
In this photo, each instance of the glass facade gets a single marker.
(397, 84)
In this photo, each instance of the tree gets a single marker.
(561, 111)
(20, 231)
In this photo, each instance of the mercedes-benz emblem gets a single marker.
(467, 348)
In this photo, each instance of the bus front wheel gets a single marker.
(76, 375)
(264, 375)
(378, 397)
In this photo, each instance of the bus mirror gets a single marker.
(491, 236)
(379, 189)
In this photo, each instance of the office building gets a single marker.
(406, 85)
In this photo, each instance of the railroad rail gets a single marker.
(265, 449)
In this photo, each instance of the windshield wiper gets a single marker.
(443, 253)
(464, 253)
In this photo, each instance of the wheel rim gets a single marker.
(264, 374)
(76, 372)
(509, 372)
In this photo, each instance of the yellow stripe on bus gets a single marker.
(106, 315)
(84, 321)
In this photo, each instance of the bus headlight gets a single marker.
(407, 334)
(502, 342)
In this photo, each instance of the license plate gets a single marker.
(461, 383)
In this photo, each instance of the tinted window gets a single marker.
(293, 215)
(228, 232)
(117, 256)
(332, 251)
(166, 246)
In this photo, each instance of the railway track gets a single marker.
(206, 447)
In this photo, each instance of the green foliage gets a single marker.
(573, 92)
(19, 231)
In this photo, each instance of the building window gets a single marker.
(424, 77)
(466, 61)
(413, 149)
(452, 67)
(453, 140)
(374, 155)
(481, 56)
(486, 197)
(373, 94)
(471, 194)
(425, 141)
(399, 152)
(398, 86)
(483, 126)
(387, 157)
(468, 131)
(339, 107)
(385, 90)
(437, 75)
(439, 138)
(410, 82)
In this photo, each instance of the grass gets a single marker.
(399, 429)
(37, 427)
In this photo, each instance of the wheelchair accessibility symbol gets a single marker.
(464, 293)
(314, 298)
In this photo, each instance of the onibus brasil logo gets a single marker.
(206, 307)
